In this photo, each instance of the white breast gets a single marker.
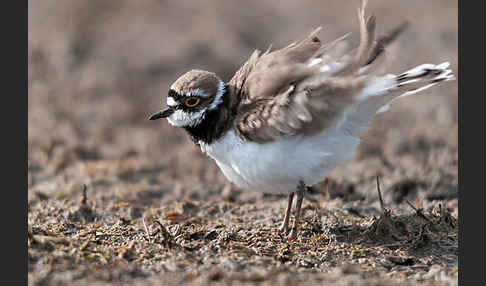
(277, 167)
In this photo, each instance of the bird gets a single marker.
(290, 116)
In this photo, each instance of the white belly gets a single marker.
(277, 167)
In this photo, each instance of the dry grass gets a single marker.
(219, 241)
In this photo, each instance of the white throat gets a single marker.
(180, 118)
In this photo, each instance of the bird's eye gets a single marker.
(192, 101)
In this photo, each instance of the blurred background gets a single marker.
(98, 69)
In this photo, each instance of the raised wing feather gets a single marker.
(303, 88)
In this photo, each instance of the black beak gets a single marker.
(162, 114)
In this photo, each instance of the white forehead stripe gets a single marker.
(171, 101)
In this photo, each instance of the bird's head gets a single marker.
(191, 97)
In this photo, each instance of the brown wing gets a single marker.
(280, 94)
(264, 75)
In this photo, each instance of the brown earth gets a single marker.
(155, 210)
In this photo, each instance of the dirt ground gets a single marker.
(116, 199)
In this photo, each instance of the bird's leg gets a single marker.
(285, 224)
(300, 196)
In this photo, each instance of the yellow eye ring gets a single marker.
(192, 101)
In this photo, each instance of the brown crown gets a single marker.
(197, 79)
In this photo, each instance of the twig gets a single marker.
(84, 201)
(412, 206)
(146, 229)
(168, 239)
(379, 194)
(418, 211)
(328, 195)
(166, 233)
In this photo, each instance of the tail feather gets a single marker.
(423, 77)
(381, 91)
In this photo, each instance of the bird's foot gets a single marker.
(293, 234)
(284, 229)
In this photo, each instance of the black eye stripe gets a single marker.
(174, 94)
